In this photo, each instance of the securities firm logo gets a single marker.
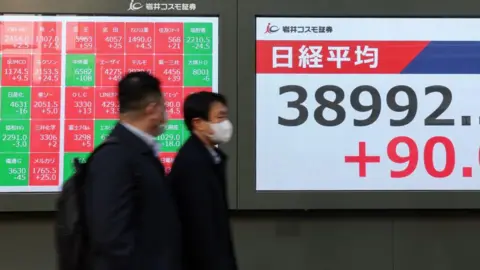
(134, 5)
(271, 29)
(299, 29)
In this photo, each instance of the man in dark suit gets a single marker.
(199, 184)
(131, 215)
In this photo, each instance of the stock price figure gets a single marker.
(374, 107)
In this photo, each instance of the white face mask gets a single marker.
(222, 132)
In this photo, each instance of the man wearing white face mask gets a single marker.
(198, 177)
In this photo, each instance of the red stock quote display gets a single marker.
(58, 87)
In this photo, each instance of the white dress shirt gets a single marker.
(216, 157)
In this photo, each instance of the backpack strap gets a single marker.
(81, 170)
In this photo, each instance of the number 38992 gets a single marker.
(374, 107)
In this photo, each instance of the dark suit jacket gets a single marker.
(131, 214)
(200, 189)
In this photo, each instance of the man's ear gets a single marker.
(150, 109)
(196, 122)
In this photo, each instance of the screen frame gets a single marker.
(250, 198)
(224, 12)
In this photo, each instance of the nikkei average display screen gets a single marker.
(367, 104)
(58, 86)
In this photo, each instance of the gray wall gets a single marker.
(317, 241)
(326, 240)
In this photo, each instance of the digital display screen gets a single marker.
(367, 104)
(58, 94)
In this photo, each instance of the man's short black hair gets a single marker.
(198, 105)
(136, 90)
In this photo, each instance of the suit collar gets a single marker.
(197, 147)
(197, 143)
(135, 143)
